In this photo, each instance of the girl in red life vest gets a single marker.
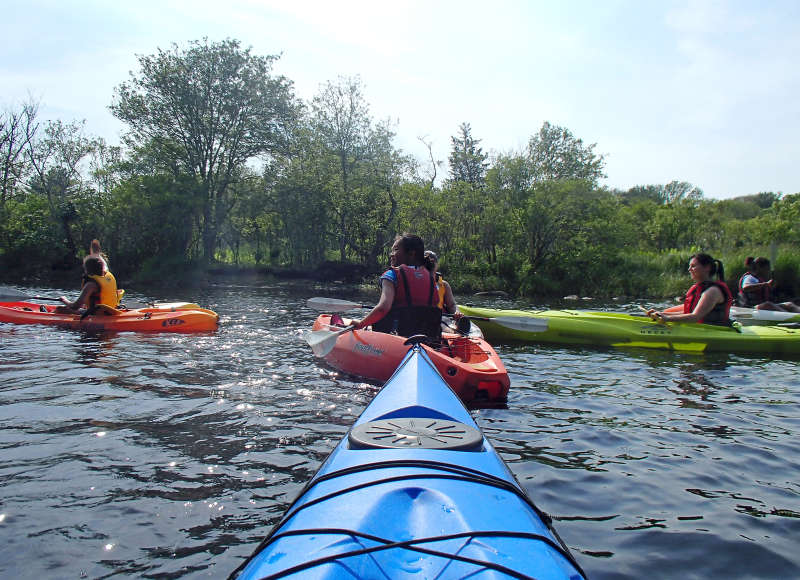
(409, 298)
(755, 287)
(708, 300)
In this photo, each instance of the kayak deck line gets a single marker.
(451, 471)
(412, 545)
(429, 471)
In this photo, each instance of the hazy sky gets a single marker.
(701, 91)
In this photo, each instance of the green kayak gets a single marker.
(625, 330)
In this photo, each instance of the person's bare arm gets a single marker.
(381, 309)
(708, 300)
(83, 299)
(450, 306)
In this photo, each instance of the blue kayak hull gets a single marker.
(413, 491)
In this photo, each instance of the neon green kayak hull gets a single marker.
(576, 327)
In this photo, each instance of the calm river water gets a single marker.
(170, 456)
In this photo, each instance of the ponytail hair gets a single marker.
(720, 270)
(716, 265)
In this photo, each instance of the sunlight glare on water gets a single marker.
(172, 455)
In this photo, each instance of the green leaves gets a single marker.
(207, 110)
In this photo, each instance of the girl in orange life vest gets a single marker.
(96, 252)
(98, 288)
(707, 300)
(409, 297)
(755, 285)
(447, 301)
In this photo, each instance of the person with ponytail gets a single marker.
(447, 301)
(409, 302)
(755, 287)
(96, 252)
(708, 300)
(98, 288)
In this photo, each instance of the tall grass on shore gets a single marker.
(635, 275)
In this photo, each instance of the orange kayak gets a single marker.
(175, 317)
(469, 364)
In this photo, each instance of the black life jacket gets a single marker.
(414, 310)
(752, 297)
(720, 314)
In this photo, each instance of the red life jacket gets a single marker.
(414, 310)
(415, 287)
(752, 297)
(720, 314)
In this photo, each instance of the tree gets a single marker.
(210, 109)
(56, 162)
(785, 220)
(151, 222)
(434, 164)
(642, 193)
(467, 160)
(678, 191)
(341, 121)
(555, 154)
(362, 169)
(763, 199)
(17, 131)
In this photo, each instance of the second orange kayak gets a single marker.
(469, 364)
(178, 317)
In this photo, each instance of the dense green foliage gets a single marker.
(223, 164)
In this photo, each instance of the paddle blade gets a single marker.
(323, 341)
(20, 298)
(333, 304)
(522, 323)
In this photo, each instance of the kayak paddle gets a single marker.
(658, 318)
(18, 298)
(523, 323)
(157, 305)
(333, 304)
(646, 311)
(323, 341)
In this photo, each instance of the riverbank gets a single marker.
(646, 277)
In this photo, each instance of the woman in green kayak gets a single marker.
(708, 300)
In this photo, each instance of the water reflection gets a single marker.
(171, 456)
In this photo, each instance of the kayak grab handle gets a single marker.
(417, 339)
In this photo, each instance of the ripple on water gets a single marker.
(172, 455)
